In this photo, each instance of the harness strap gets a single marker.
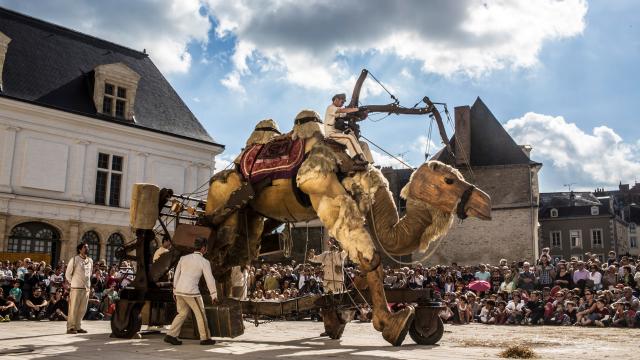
(305, 120)
(266, 128)
(463, 202)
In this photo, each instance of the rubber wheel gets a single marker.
(428, 340)
(133, 325)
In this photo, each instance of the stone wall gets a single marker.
(508, 235)
(512, 233)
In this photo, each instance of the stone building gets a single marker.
(489, 158)
(81, 120)
(575, 223)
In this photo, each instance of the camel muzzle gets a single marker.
(475, 202)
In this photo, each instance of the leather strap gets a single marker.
(463, 202)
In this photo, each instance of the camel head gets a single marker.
(444, 187)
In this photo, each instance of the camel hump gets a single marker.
(307, 124)
(264, 132)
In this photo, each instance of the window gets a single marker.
(632, 228)
(633, 242)
(575, 237)
(595, 210)
(32, 237)
(556, 239)
(93, 240)
(114, 242)
(109, 179)
(600, 257)
(554, 212)
(596, 238)
(115, 100)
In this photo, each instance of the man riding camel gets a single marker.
(358, 150)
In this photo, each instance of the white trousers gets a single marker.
(354, 147)
(78, 300)
(184, 305)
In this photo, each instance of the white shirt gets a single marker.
(79, 272)
(330, 119)
(189, 270)
(595, 277)
(156, 255)
(332, 264)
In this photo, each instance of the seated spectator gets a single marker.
(56, 280)
(93, 307)
(527, 279)
(559, 316)
(595, 277)
(586, 307)
(599, 316)
(482, 274)
(501, 314)
(58, 308)
(8, 308)
(487, 314)
(534, 309)
(16, 292)
(36, 305)
(624, 316)
(610, 278)
(627, 278)
(580, 276)
(462, 311)
(571, 311)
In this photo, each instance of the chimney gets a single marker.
(463, 135)
(572, 199)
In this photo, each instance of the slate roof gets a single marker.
(52, 66)
(583, 201)
(490, 142)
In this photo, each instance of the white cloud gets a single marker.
(597, 158)
(163, 28)
(308, 39)
(223, 161)
(384, 160)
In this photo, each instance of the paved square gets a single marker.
(47, 340)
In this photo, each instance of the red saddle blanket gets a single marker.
(278, 159)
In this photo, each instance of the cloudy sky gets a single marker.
(561, 76)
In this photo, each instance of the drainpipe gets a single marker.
(531, 217)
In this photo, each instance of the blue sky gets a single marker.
(561, 76)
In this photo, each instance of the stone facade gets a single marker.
(512, 231)
(81, 121)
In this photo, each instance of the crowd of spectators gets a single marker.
(588, 292)
(37, 291)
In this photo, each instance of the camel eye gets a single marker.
(448, 180)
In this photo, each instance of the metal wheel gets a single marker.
(432, 337)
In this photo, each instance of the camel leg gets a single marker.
(340, 215)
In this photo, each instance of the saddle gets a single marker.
(280, 158)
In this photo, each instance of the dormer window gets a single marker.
(595, 210)
(114, 102)
(4, 45)
(115, 87)
(554, 213)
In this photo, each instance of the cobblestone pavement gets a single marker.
(46, 340)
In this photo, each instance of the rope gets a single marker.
(388, 153)
(428, 147)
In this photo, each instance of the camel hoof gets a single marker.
(396, 328)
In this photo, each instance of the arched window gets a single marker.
(554, 212)
(115, 240)
(93, 240)
(32, 237)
